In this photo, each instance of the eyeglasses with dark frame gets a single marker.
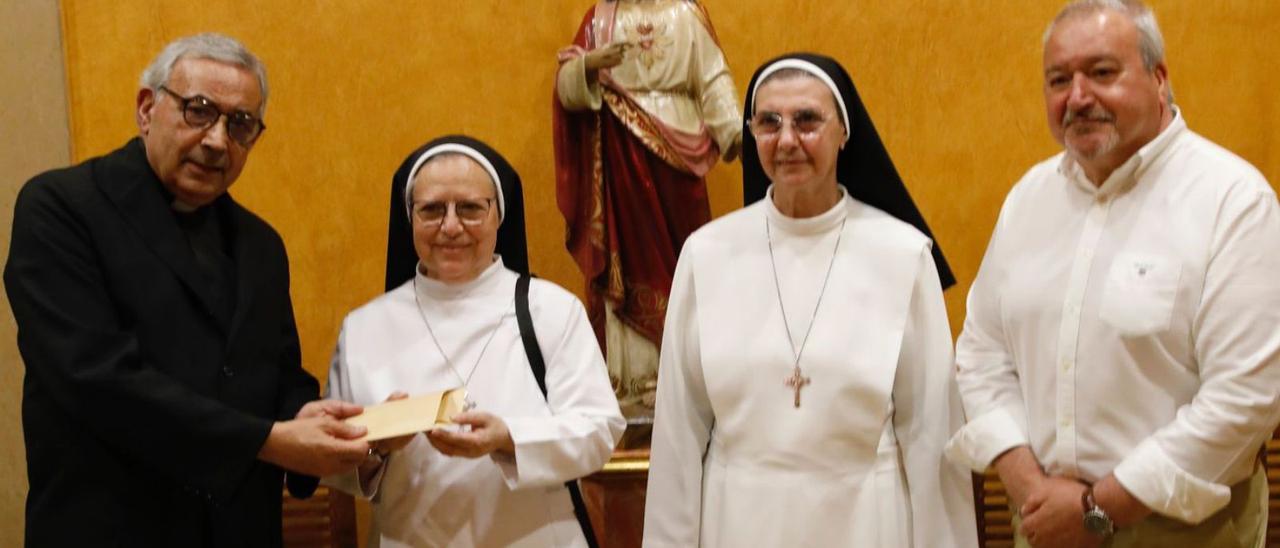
(807, 123)
(469, 212)
(202, 113)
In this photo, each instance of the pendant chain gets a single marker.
(777, 285)
(465, 381)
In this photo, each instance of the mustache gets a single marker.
(209, 158)
(1093, 114)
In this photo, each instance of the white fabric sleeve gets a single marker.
(927, 411)
(578, 437)
(575, 91)
(985, 372)
(713, 87)
(338, 388)
(1181, 470)
(683, 421)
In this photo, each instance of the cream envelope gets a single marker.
(411, 415)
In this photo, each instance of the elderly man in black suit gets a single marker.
(164, 398)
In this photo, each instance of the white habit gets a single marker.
(424, 498)
(859, 463)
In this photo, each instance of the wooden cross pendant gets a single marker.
(795, 382)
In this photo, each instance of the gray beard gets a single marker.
(1106, 147)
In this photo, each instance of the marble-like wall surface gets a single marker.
(33, 138)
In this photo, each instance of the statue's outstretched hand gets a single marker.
(605, 57)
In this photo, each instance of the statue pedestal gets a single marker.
(615, 498)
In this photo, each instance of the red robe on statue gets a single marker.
(631, 190)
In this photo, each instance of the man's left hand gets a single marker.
(488, 434)
(1053, 516)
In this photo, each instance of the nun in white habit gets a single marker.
(449, 319)
(806, 386)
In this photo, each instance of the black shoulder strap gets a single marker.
(531, 348)
(534, 352)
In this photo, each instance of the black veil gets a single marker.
(864, 166)
(402, 259)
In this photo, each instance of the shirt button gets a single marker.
(227, 371)
(1066, 366)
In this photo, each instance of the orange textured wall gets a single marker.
(953, 87)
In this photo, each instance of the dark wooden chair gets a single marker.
(995, 521)
(326, 520)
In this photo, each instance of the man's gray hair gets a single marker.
(1150, 40)
(218, 47)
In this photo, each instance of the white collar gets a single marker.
(1124, 176)
(488, 281)
(822, 222)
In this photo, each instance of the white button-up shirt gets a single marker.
(1131, 328)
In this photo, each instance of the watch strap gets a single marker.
(1096, 520)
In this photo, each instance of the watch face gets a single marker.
(1097, 523)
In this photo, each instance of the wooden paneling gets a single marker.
(1273, 484)
(615, 499)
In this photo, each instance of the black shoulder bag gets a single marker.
(534, 352)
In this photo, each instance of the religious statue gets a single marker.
(644, 107)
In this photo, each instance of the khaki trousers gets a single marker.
(1241, 524)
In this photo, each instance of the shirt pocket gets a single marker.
(1140, 294)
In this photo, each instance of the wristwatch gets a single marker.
(1096, 521)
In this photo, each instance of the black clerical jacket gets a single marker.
(143, 409)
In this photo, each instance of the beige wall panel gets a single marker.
(953, 86)
(33, 138)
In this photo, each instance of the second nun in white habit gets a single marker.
(451, 321)
(806, 385)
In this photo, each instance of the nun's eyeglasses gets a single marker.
(201, 113)
(767, 126)
(469, 212)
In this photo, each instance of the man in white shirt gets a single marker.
(1120, 361)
